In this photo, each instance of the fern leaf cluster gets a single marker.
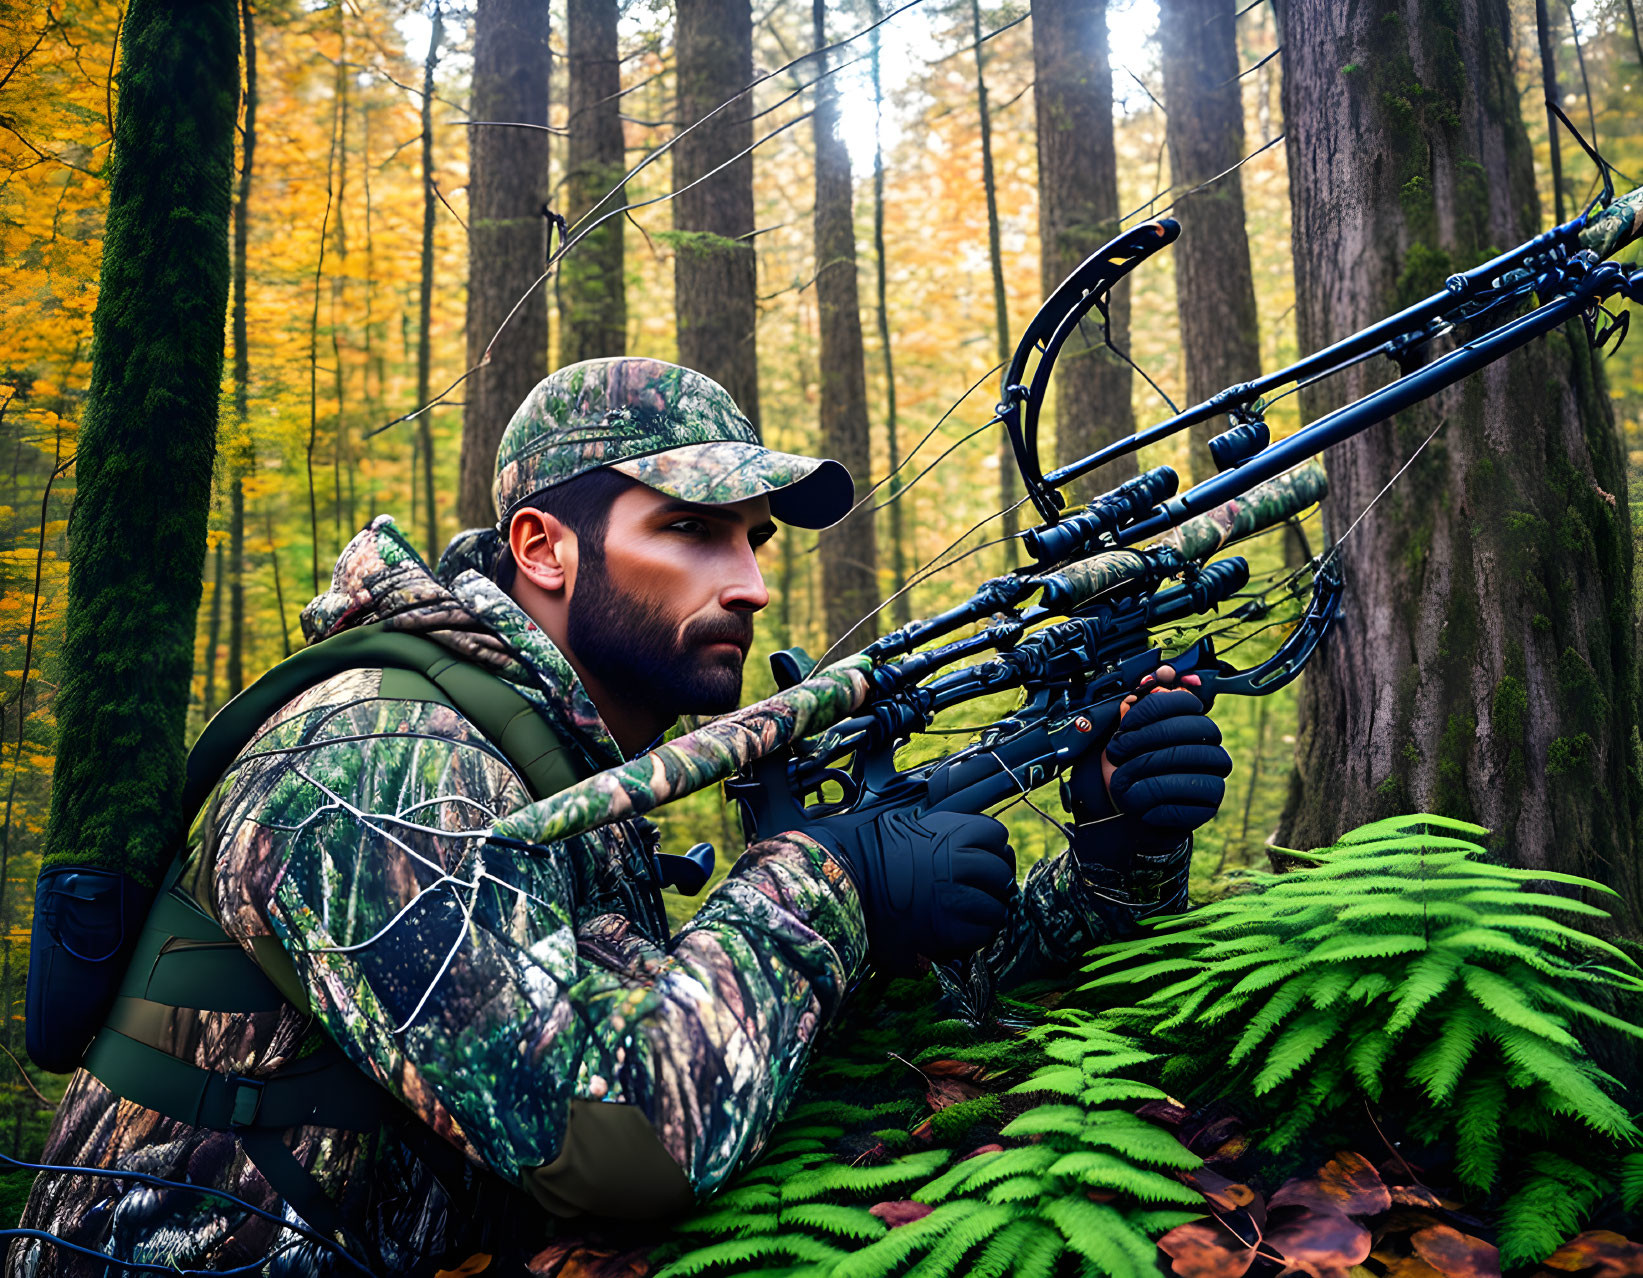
(1400, 973)
(1073, 1182)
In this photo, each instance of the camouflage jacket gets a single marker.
(495, 993)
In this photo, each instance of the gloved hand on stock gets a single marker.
(1162, 775)
(933, 885)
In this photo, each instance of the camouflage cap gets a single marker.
(666, 426)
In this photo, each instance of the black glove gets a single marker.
(1169, 779)
(932, 885)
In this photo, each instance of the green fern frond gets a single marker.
(1038, 1252)
(1545, 1209)
(1102, 1236)
(1629, 1177)
(1501, 998)
(1018, 1189)
(983, 1169)
(1366, 1056)
(797, 1247)
(1100, 1170)
(833, 1218)
(961, 1237)
(1428, 978)
(842, 1178)
(1480, 1106)
(887, 1255)
(1003, 1250)
(1438, 1068)
(1294, 1048)
(1264, 1022)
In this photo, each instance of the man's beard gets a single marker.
(630, 645)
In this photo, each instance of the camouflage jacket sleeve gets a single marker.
(1065, 907)
(489, 988)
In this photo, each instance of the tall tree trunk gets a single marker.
(507, 235)
(1077, 213)
(240, 449)
(593, 313)
(901, 609)
(213, 634)
(1001, 310)
(715, 276)
(425, 291)
(146, 443)
(1214, 287)
(1484, 666)
(848, 551)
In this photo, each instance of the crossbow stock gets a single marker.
(1073, 633)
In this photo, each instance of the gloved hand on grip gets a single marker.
(1162, 775)
(933, 884)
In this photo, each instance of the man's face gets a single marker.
(665, 613)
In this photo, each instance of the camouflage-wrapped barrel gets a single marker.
(1614, 227)
(696, 759)
(1262, 507)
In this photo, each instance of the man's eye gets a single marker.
(690, 527)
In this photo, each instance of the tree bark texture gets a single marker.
(849, 551)
(147, 442)
(715, 276)
(1484, 665)
(507, 235)
(593, 315)
(1214, 286)
(1078, 213)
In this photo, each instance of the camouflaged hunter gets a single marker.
(493, 1034)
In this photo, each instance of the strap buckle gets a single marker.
(247, 1102)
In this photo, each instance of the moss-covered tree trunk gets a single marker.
(849, 549)
(715, 276)
(593, 313)
(147, 442)
(1484, 666)
(1214, 287)
(1077, 214)
(507, 235)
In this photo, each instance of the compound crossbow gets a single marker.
(1074, 632)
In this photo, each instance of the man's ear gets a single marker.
(544, 550)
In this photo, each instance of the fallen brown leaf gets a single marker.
(1454, 1254)
(1411, 1267)
(953, 1069)
(984, 1149)
(1221, 1191)
(1348, 1183)
(477, 1263)
(1413, 1196)
(1319, 1240)
(950, 1091)
(1606, 1253)
(1206, 1249)
(1163, 1112)
(575, 1258)
(901, 1212)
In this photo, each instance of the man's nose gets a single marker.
(746, 591)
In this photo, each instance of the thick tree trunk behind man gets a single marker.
(593, 315)
(1484, 666)
(715, 277)
(507, 235)
(1078, 213)
(848, 550)
(147, 442)
(1214, 288)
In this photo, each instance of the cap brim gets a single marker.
(807, 492)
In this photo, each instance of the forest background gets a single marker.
(377, 266)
